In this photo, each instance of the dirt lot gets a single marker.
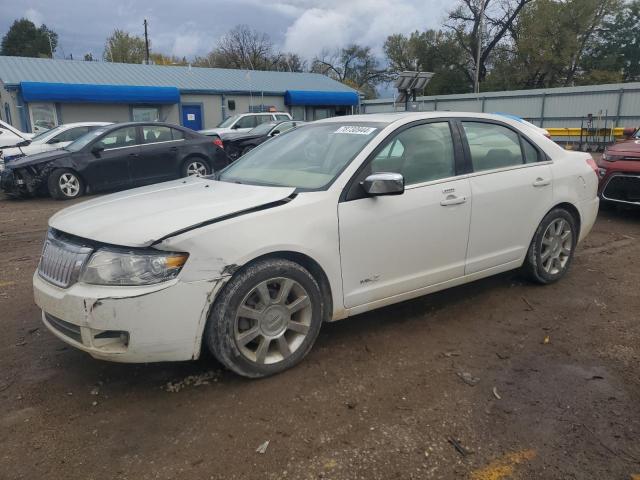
(378, 397)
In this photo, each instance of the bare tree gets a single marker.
(497, 19)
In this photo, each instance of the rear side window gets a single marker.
(493, 146)
(154, 134)
(246, 122)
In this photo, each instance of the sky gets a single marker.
(192, 27)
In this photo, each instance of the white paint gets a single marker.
(374, 251)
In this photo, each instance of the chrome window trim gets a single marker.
(164, 141)
(120, 148)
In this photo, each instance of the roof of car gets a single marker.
(85, 124)
(392, 117)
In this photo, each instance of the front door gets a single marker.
(192, 117)
(391, 245)
(512, 191)
(109, 168)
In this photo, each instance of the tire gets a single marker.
(551, 253)
(238, 342)
(195, 166)
(65, 184)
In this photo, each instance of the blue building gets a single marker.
(38, 93)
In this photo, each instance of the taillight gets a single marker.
(592, 163)
(217, 142)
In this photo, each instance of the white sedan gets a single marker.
(57, 137)
(329, 220)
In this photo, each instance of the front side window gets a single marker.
(260, 119)
(70, 135)
(122, 137)
(156, 133)
(145, 114)
(492, 146)
(421, 154)
(309, 157)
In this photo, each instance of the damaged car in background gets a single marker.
(114, 157)
(332, 219)
(619, 170)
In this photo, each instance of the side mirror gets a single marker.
(24, 143)
(235, 126)
(97, 149)
(275, 132)
(378, 184)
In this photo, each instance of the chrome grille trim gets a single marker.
(62, 261)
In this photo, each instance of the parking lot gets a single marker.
(496, 379)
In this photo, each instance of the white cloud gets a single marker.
(34, 15)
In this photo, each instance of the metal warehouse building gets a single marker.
(40, 93)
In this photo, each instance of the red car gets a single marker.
(619, 170)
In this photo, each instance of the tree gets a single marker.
(484, 24)
(290, 62)
(160, 59)
(615, 49)
(355, 66)
(25, 40)
(430, 51)
(122, 47)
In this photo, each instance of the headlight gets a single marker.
(122, 267)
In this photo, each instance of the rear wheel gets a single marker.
(195, 167)
(552, 248)
(65, 184)
(266, 319)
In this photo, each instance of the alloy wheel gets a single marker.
(196, 168)
(557, 243)
(69, 184)
(272, 320)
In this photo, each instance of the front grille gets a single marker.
(623, 188)
(65, 328)
(62, 261)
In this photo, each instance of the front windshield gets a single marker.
(53, 132)
(227, 123)
(261, 129)
(309, 157)
(84, 140)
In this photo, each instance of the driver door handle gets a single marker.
(541, 182)
(452, 200)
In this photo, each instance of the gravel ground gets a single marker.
(496, 379)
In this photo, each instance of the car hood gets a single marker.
(43, 157)
(142, 216)
(627, 148)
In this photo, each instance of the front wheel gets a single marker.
(195, 167)
(266, 319)
(552, 248)
(65, 184)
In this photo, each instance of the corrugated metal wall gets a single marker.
(552, 107)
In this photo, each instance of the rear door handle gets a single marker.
(452, 200)
(541, 182)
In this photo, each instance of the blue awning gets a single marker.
(307, 97)
(88, 93)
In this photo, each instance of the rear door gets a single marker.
(110, 167)
(511, 186)
(158, 154)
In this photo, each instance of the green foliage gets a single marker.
(122, 47)
(24, 39)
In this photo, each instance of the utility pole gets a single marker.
(50, 44)
(476, 85)
(146, 43)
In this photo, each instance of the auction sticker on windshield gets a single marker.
(355, 130)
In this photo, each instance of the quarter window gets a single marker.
(493, 146)
(177, 134)
(531, 154)
(421, 154)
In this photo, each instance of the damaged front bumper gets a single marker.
(23, 181)
(156, 323)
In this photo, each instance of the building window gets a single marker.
(43, 117)
(145, 114)
(7, 113)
